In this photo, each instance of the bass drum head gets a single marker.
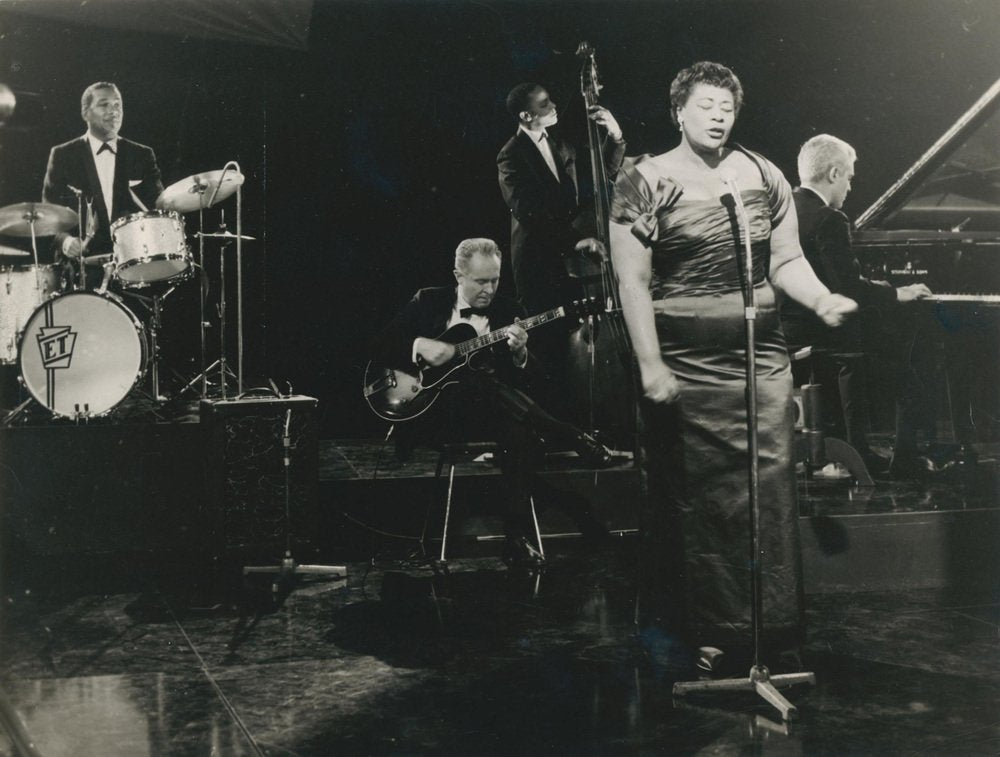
(81, 354)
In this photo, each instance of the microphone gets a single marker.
(730, 181)
(74, 190)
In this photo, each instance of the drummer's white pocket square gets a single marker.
(134, 182)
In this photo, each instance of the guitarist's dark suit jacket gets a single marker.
(72, 163)
(548, 217)
(483, 406)
(427, 315)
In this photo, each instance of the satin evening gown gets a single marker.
(693, 454)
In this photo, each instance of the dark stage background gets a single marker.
(370, 153)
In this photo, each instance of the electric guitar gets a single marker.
(397, 395)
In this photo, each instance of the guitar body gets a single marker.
(397, 395)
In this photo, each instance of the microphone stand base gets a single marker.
(759, 681)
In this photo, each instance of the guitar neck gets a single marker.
(471, 345)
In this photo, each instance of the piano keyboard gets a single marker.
(985, 299)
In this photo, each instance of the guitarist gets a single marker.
(487, 402)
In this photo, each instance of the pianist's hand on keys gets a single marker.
(913, 292)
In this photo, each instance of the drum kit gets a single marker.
(80, 352)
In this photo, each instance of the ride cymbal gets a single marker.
(200, 190)
(16, 220)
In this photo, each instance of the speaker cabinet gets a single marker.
(246, 443)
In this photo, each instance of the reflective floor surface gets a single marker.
(396, 660)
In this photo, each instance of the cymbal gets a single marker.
(49, 219)
(13, 252)
(197, 190)
(224, 235)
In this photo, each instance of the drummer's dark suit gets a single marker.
(72, 163)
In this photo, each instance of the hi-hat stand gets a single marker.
(287, 569)
(759, 679)
(221, 364)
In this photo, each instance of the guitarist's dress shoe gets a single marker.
(518, 552)
(592, 452)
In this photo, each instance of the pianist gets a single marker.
(826, 167)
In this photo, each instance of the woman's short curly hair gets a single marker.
(703, 72)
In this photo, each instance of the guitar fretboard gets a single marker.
(471, 345)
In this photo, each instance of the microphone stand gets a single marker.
(82, 283)
(759, 679)
(287, 569)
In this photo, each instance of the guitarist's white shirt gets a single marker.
(479, 322)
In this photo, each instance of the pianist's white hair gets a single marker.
(822, 152)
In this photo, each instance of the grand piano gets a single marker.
(939, 224)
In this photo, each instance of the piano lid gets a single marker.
(954, 186)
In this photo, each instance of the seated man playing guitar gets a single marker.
(480, 394)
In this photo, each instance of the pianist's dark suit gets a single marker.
(877, 331)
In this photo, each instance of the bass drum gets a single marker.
(81, 353)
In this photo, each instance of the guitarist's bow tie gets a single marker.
(466, 312)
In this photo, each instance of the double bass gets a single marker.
(601, 362)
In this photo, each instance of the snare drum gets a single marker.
(82, 353)
(150, 247)
(22, 289)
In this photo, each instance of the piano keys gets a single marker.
(975, 299)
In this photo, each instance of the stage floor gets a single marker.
(143, 654)
(489, 662)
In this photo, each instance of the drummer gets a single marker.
(117, 175)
